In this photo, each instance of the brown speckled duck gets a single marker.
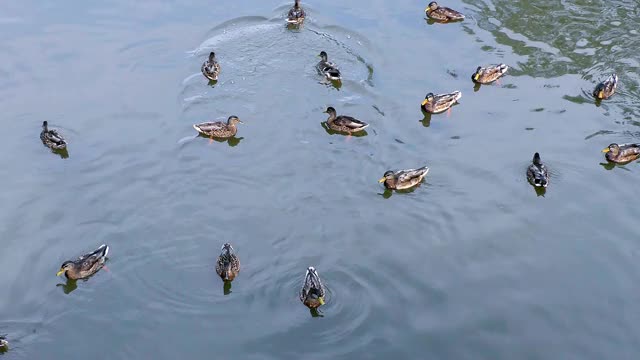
(219, 129)
(312, 293)
(296, 14)
(51, 138)
(228, 264)
(403, 179)
(439, 103)
(211, 68)
(442, 14)
(622, 153)
(86, 265)
(344, 124)
(489, 74)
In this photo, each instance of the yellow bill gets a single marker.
(477, 77)
(382, 180)
(425, 102)
(606, 150)
(601, 94)
(60, 272)
(321, 300)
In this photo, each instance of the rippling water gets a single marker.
(472, 264)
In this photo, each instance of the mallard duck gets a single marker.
(211, 68)
(607, 88)
(219, 129)
(622, 153)
(342, 123)
(537, 173)
(403, 179)
(296, 14)
(4, 343)
(327, 68)
(489, 74)
(312, 293)
(442, 14)
(52, 138)
(438, 103)
(228, 264)
(86, 265)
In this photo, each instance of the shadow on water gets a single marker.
(232, 141)
(226, 287)
(316, 313)
(69, 286)
(212, 83)
(540, 191)
(426, 120)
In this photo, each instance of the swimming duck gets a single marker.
(489, 74)
(296, 14)
(219, 129)
(327, 68)
(442, 14)
(403, 179)
(312, 293)
(86, 265)
(607, 88)
(342, 123)
(4, 343)
(622, 153)
(211, 68)
(52, 138)
(228, 264)
(438, 103)
(537, 173)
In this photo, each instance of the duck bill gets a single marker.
(605, 150)
(321, 300)
(382, 180)
(425, 102)
(60, 272)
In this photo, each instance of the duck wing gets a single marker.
(629, 149)
(207, 127)
(55, 137)
(411, 174)
(350, 122)
(89, 260)
(492, 72)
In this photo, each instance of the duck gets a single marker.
(86, 265)
(219, 129)
(228, 264)
(327, 68)
(403, 179)
(296, 14)
(438, 103)
(607, 88)
(344, 124)
(312, 292)
(537, 173)
(489, 74)
(211, 68)
(4, 343)
(622, 153)
(51, 138)
(442, 14)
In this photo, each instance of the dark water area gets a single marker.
(472, 264)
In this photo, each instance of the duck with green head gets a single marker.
(403, 179)
(489, 74)
(436, 104)
(86, 265)
(228, 264)
(312, 292)
(211, 68)
(441, 13)
(607, 88)
(219, 129)
(622, 153)
(51, 138)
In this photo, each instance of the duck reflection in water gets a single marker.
(69, 286)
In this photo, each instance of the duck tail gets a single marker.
(104, 249)
(503, 68)
(457, 95)
(333, 74)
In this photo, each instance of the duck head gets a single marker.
(614, 149)
(67, 265)
(233, 120)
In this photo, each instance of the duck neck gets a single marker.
(297, 4)
(332, 118)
